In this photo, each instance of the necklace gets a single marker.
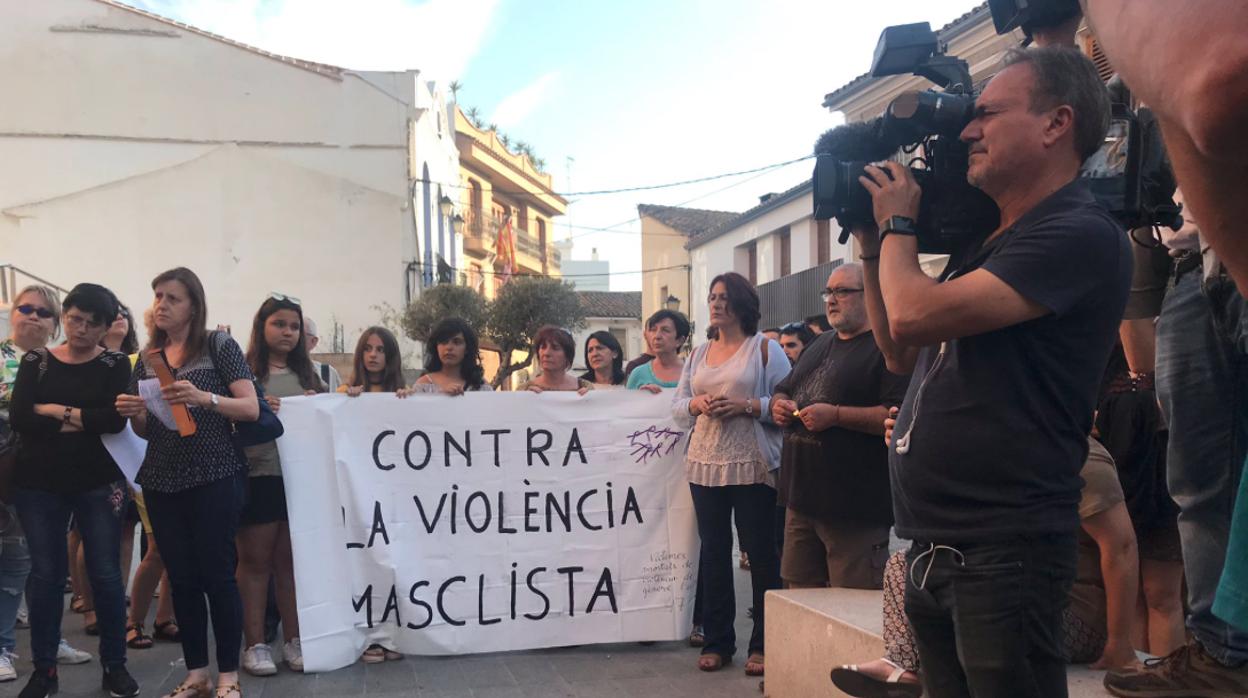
(273, 365)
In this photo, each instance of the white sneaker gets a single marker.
(65, 654)
(8, 672)
(258, 660)
(293, 652)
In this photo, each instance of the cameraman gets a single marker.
(1008, 351)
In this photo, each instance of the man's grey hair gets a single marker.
(1066, 76)
(309, 327)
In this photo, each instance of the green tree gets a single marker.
(523, 305)
(443, 301)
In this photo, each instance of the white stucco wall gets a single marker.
(131, 145)
(728, 252)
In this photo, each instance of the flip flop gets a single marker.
(852, 681)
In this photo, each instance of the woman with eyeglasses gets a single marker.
(452, 360)
(63, 400)
(34, 320)
(724, 396)
(278, 356)
(195, 485)
(605, 360)
(555, 351)
(378, 365)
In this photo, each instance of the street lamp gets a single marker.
(457, 224)
(672, 303)
(446, 205)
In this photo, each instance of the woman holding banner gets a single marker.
(194, 484)
(605, 359)
(278, 356)
(724, 394)
(555, 353)
(63, 400)
(378, 367)
(452, 360)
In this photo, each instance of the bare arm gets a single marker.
(898, 358)
(1120, 569)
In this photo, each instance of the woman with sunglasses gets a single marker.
(278, 356)
(194, 485)
(34, 320)
(63, 400)
(452, 360)
(555, 353)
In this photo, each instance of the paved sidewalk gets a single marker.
(591, 671)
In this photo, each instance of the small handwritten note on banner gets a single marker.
(487, 522)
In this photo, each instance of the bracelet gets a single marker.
(749, 407)
(866, 258)
(69, 412)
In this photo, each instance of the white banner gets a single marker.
(487, 522)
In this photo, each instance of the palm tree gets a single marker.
(474, 115)
(455, 87)
(522, 148)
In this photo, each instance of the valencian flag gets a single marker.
(505, 250)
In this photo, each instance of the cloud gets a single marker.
(517, 106)
(364, 35)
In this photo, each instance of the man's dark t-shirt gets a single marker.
(838, 474)
(1003, 417)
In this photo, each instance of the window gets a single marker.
(823, 242)
(752, 266)
(786, 253)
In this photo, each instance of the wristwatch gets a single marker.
(749, 407)
(898, 225)
(216, 401)
(69, 412)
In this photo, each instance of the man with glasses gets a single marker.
(834, 469)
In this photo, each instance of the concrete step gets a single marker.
(809, 631)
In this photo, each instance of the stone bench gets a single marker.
(809, 631)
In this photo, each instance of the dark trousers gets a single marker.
(987, 617)
(45, 518)
(754, 506)
(195, 532)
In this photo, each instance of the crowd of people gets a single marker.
(1058, 434)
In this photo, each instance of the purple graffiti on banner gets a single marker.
(653, 442)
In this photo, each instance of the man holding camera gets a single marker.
(1007, 352)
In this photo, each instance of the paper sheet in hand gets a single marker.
(149, 390)
(128, 450)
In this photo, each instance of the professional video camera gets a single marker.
(1129, 178)
(950, 209)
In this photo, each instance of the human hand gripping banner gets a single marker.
(486, 522)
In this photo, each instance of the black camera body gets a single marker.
(950, 209)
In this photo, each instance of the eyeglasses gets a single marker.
(28, 309)
(792, 327)
(288, 299)
(74, 321)
(838, 293)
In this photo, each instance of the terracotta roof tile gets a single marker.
(690, 221)
(621, 304)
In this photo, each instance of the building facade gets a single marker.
(617, 312)
(664, 232)
(143, 144)
(591, 274)
(496, 186)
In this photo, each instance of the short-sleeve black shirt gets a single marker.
(839, 475)
(173, 462)
(1003, 417)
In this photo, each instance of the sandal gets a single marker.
(229, 690)
(167, 630)
(754, 665)
(853, 681)
(78, 604)
(136, 639)
(375, 654)
(712, 662)
(697, 637)
(186, 689)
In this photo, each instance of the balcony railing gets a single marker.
(481, 233)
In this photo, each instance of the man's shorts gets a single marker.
(833, 554)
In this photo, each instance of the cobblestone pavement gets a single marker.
(592, 671)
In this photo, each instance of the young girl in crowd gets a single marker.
(555, 353)
(452, 360)
(277, 354)
(195, 485)
(378, 367)
(63, 400)
(605, 359)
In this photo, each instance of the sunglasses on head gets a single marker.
(27, 309)
(286, 299)
(792, 327)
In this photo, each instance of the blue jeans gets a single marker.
(1202, 383)
(195, 532)
(14, 568)
(987, 619)
(754, 506)
(45, 517)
